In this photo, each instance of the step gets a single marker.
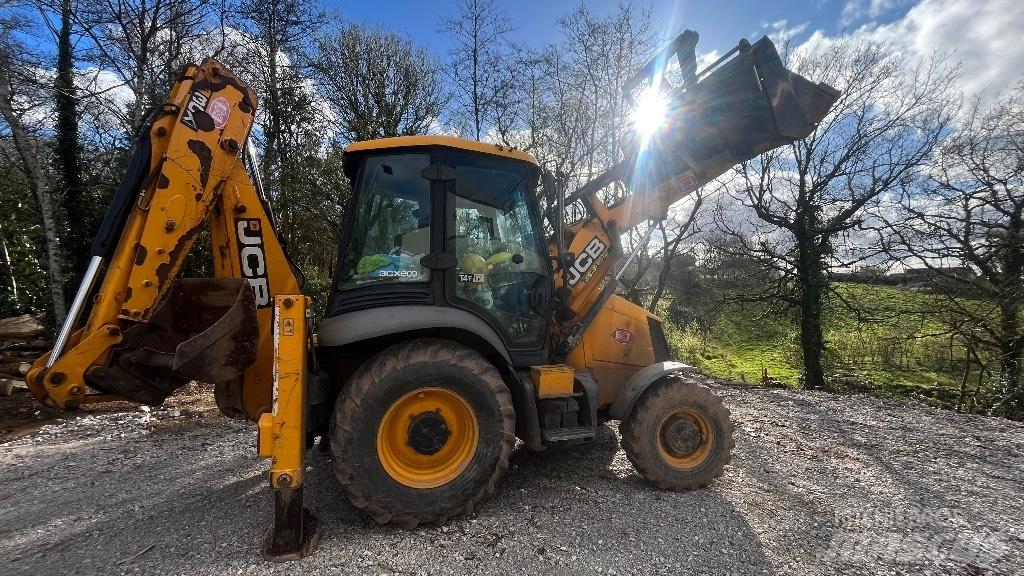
(567, 434)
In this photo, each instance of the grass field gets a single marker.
(889, 340)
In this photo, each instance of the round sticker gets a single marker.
(219, 110)
(622, 336)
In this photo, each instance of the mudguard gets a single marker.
(639, 382)
(360, 325)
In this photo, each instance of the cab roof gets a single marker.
(447, 141)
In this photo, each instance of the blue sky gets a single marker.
(983, 36)
(720, 23)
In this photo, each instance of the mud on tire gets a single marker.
(387, 377)
(681, 407)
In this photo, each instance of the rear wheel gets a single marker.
(678, 435)
(422, 433)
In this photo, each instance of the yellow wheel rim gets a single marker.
(427, 437)
(685, 438)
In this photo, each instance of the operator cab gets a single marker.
(445, 222)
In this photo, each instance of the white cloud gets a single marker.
(781, 32)
(705, 59)
(983, 36)
(857, 10)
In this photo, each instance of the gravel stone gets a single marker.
(819, 484)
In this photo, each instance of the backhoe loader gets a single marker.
(468, 308)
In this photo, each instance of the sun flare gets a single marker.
(649, 113)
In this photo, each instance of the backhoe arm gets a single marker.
(147, 332)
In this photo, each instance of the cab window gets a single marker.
(391, 225)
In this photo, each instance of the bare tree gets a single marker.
(810, 197)
(479, 66)
(280, 31)
(18, 101)
(143, 42)
(59, 18)
(605, 52)
(675, 233)
(670, 240)
(567, 106)
(5, 259)
(378, 83)
(553, 124)
(967, 230)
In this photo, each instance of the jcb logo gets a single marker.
(591, 254)
(253, 259)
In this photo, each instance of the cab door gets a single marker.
(502, 272)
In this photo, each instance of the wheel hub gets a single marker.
(427, 437)
(428, 433)
(682, 437)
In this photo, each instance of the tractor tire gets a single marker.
(422, 433)
(678, 435)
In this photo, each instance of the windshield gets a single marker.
(500, 263)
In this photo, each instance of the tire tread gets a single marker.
(364, 382)
(637, 428)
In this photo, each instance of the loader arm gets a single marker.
(742, 105)
(147, 332)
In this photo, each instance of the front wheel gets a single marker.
(678, 435)
(423, 432)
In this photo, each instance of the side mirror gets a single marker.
(550, 191)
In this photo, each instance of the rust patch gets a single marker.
(204, 122)
(166, 270)
(205, 155)
(163, 181)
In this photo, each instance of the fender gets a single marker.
(639, 382)
(360, 325)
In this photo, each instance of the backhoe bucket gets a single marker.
(746, 105)
(205, 330)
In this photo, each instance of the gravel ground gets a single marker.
(819, 484)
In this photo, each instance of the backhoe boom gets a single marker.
(149, 332)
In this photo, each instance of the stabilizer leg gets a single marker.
(296, 531)
(282, 436)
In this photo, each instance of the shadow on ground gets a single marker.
(818, 485)
(192, 500)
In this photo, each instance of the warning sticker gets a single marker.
(219, 110)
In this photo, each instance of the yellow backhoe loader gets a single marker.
(466, 309)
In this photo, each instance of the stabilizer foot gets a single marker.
(296, 531)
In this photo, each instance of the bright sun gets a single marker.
(649, 113)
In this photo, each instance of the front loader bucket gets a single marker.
(749, 104)
(205, 330)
